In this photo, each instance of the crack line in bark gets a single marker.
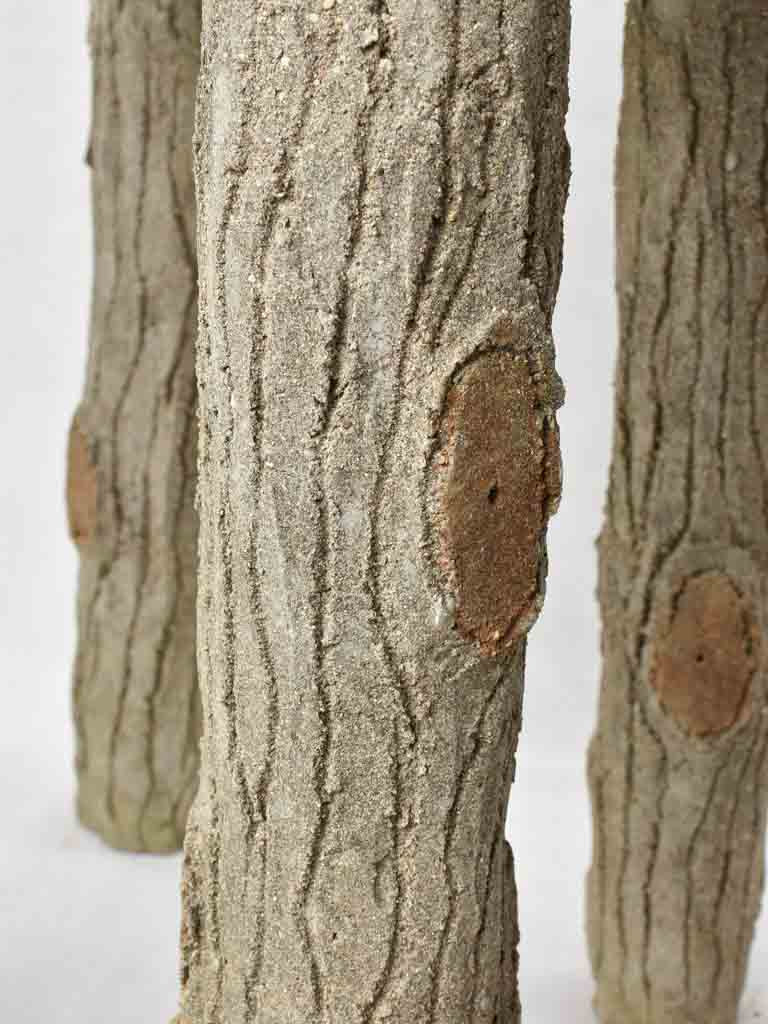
(758, 315)
(109, 53)
(418, 284)
(186, 332)
(722, 417)
(167, 633)
(528, 269)
(210, 839)
(689, 875)
(757, 858)
(321, 558)
(690, 464)
(382, 981)
(726, 873)
(283, 179)
(447, 111)
(213, 903)
(142, 308)
(282, 174)
(81, 682)
(191, 738)
(662, 790)
(600, 866)
(476, 742)
(380, 621)
(624, 369)
(447, 305)
(233, 173)
(100, 86)
(675, 218)
(497, 842)
(627, 801)
(174, 142)
(728, 246)
(185, 241)
(234, 749)
(146, 128)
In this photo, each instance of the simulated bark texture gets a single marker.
(381, 190)
(133, 441)
(678, 763)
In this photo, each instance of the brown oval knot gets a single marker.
(497, 469)
(82, 487)
(706, 655)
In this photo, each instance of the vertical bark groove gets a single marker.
(360, 167)
(135, 686)
(678, 798)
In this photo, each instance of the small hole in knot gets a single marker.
(493, 494)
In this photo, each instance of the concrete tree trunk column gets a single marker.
(678, 764)
(133, 441)
(380, 197)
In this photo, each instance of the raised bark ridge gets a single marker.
(133, 441)
(678, 763)
(381, 190)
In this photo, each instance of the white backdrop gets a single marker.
(88, 935)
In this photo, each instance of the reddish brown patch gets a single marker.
(705, 660)
(82, 487)
(498, 471)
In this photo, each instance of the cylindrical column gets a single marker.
(381, 189)
(133, 440)
(678, 763)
